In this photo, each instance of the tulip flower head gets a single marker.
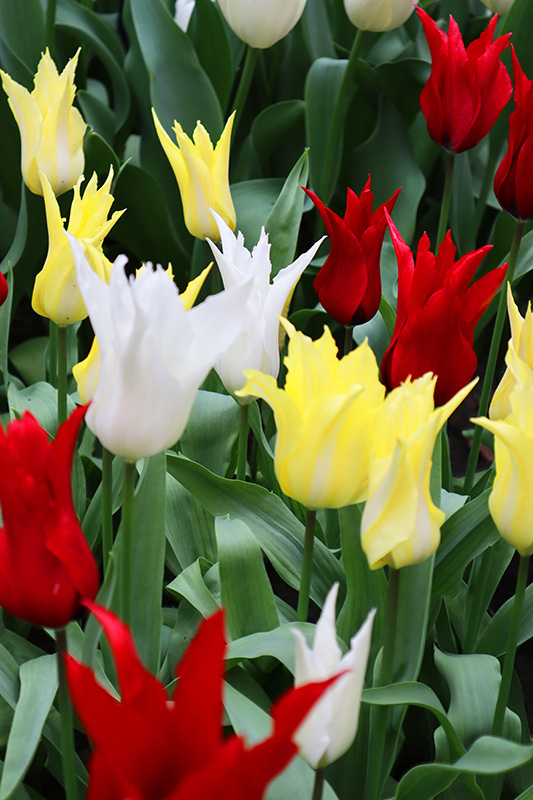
(511, 185)
(46, 566)
(349, 283)
(55, 293)
(435, 295)
(379, 15)
(51, 130)
(499, 6)
(154, 354)
(400, 523)
(257, 346)
(261, 24)
(519, 358)
(468, 87)
(324, 417)
(330, 728)
(202, 174)
(148, 747)
(4, 289)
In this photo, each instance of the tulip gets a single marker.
(499, 6)
(261, 24)
(511, 499)
(400, 523)
(378, 15)
(4, 289)
(349, 283)
(155, 355)
(519, 358)
(467, 89)
(324, 417)
(257, 346)
(435, 297)
(202, 174)
(46, 566)
(330, 728)
(150, 748)
(51, 130)
(512, 186)
(55, 292)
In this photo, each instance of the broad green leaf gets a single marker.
(23, 39)
(41, 400)
(99, 156)
(485, 575)
(519, 20)
(28, 358)
(494, 638)
(210, 38)
(283, 223)
(317, 30)
(253, 201)
(273, 125)
(93, 516)
(190, 529)
(93, 630)
(211, 430)
(278, 643)
(191, 585)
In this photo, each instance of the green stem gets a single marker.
(61, 374)
(493, 355)
(334, 143)
(126, 552)
(50, 24)
(243, 441)
(318, 788)
(348, 339)
(107, 506)
(66, 720)
(52, 354)
(484, 193)
(307, 564)
(244, 86)
(446, 199)
(512, 642)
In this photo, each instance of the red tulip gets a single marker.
(3, 289)
(512, 184)
(438, 310)
(149, 748)
(46, 566)
(349, 283)
(467, 88)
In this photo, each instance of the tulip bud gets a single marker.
(259, 23)
(51, 130)
(499, 6)
(378, 15)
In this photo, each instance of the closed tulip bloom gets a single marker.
(46, 566)
(511, 184)
(4, 290)
(261, 24)
(436, 295)
(468, 87)
(154, 354)
(257, 346)
(324, 417)
(519, 358)
(349, 283)
(202, 174)
(148, 747)
(378, 15)
(330, 728)
(51, 130)
(511, 498)
(499, 6)
(401, 524)
(55, 293)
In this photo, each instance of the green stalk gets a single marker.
(446, 199)
(244, 86)
(307, 565)
(348, 339)
(126, 552)
(107, 506)
(493, 355)
(66, 720)
(318, 788)
(50, 24)
(337, 120)
(484, 193)
(243, 441)
(512, 643)
(52, 354)
(61, 373)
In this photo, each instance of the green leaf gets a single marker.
(28, 358)
(41, 400)
(283, 223)
(321, 91)
(191, 585)
(24, 39)
(208, 32)
(211, 430)
(494, 638)
(190, 529)
(253, 201)
(278, 643)
(317, 30)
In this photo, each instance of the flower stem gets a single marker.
(327, 179)
(66, 720)
(126, 553)
(52, 354)
(307, 564)
(107, 506)
(483, 194)
(244, 86)
(493, 355)
(318, 788)
(510, 652)
(243, 441)
(446, 198)
(61, 374)
(348, 339)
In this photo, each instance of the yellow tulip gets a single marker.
(400, 523)
(55, 293)
(202, 174)
(511, 499)
(51, 130)
(324, 416)
(519, 358)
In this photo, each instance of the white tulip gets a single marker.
(257, 345)
(261, 23)
(154, 354)
(330, 727)
(379, 15)
(499, 6)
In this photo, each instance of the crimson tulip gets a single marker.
(438, 310)
(3, 289)
(149, 748)
(512, 184)
(46, 566)
(349, 283)
(467, 88)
